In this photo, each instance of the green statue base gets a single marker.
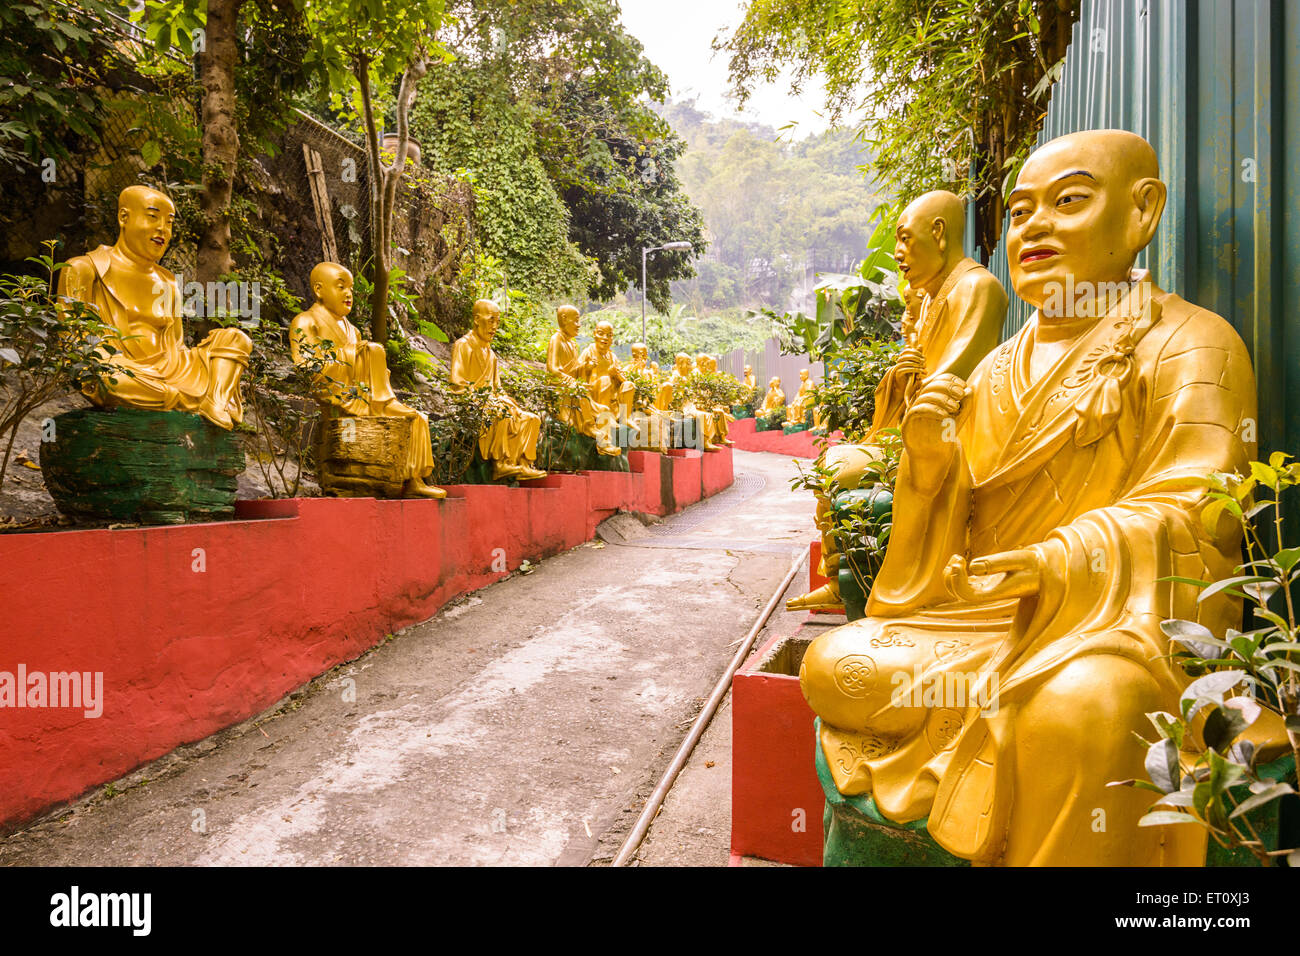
(151, 467)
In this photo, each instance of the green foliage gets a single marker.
(1239, 676)
(923, 83)
(455, 430)
(465, 122)
(47, 347)
(712, 390)
(847, 399)
(666, 335)
(281, 401)
(849, 308)
(773, 209)
(53, 62)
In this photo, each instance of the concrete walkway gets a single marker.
(524, 725)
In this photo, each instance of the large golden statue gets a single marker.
(1027, 561)
(584, 413)
(356, 379)
(775, 398)
(803, 399)
(131, 292)
(604, 375)
(510, 443)
(954, 317)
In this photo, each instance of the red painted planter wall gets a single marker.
(284, 593)
(776, 800)
(799, 445)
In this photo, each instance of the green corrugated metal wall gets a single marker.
(1215, 86)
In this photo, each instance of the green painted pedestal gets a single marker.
(858, 835)
(130, 464)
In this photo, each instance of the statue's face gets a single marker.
(702, 363)
(568, 321)
(683, 364)
(334, 290)
(1071, 218)
(603, 333)
(775, 383)
(803, 375)
(144, 219)
(749, 370)
(639, 354)
(487, 319)
(916, 250)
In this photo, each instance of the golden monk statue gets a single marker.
(587, 416)
(750, 383)
(954, 317)
(1029, 549)
(355, 378)
(510, 443)
(722, 417)
(803, 398)
(605, 377)
(705, 428)
(653, 421)
(130, 291)
(775, 398)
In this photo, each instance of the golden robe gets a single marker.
(949, 335)
(165, 375)
(362, 363)
(582, 413)
(1099, 466)
(605, 380)
(512, 437)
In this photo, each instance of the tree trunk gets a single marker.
(383, 184)
(220, 139)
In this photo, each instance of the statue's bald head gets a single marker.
(331, 283)
(1083, 207)
(928, 239)
(143, 197)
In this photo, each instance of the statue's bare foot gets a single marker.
(822, 598)
(416, 488)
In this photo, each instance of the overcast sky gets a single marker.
(678, 35)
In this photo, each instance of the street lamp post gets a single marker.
(645, 250)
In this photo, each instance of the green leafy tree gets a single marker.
(924, 81)
(363, 49)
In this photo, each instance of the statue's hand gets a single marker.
(910, 361)
(1021, 576)
(929, 430)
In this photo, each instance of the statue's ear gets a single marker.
(1149, 196)
(940, 231)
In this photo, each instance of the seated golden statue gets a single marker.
(583, 413)
(356, 379)
(130, 291)
(510, 443)
(683, 369)
(1022, 590)
(798, 412)
(775, 398)
(604, 376)
(722, 417)
(955, 310)
(652, 421)
(750, 382)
